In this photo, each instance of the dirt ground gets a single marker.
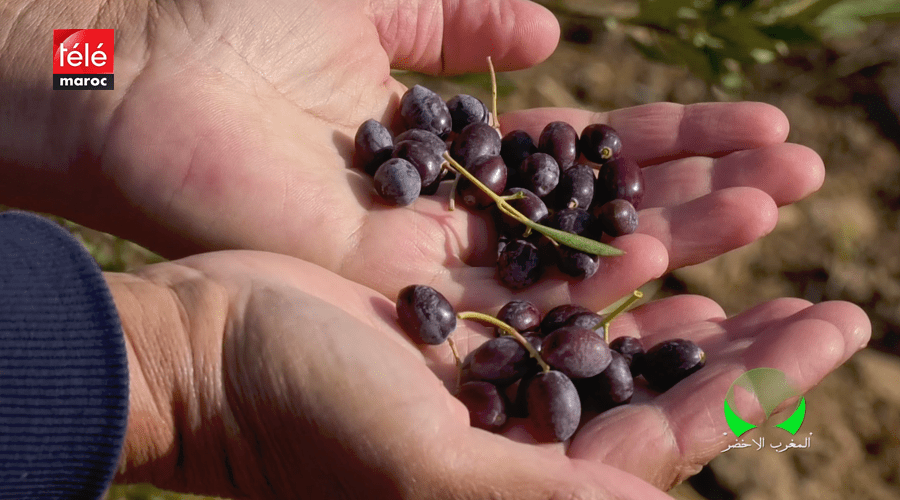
(843, 101)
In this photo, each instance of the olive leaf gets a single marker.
(575, 241)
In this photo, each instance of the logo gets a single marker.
(83, 59)
(771, 388)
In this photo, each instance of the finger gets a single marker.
(436, 37)
(786, 172)
(671, 317)
(709, 226)
(849, 318)
(487, 465)
(659, 132)
(751, 321)
(685, 426)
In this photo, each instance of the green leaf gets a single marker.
(791, 33)
(575, 241)
(505, 86)
(851, 16)
(660, 13)
(651, 52)
(807, 15)
(740, 31)
(693, 58)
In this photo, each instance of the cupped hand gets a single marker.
(232, 127)
(293, 382)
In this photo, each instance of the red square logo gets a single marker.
(83, 59)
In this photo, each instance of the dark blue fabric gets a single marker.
(63, 366)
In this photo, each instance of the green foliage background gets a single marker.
(720, 40)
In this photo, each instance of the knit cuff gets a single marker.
(63, 366)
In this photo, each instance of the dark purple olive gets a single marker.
(577, 264)
(578, 352)
(559, 140)
(539, 173)
(522, 315)
(425, 315)
(530, 206)
(575, 188)
(570, 261)
(465, 109)
(436, 185)
(474, 141)
(671, 361)
(630, 348)
(487, 405)
(588, 319)
(397, 182)
(372, 146)
(426, 160)
(519, 264)
(416, 134)
(515, 147)
(614, 386)
(500, 360)
(621, 178)
(423, 108)
(559, 316)
(600, 143)
(616, 218)
(572, 220)
(491, 171)
(554, 409)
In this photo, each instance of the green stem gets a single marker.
(569, 239)
(452, 202)
(495, 119)
(515, 196)
(507, 330)
(635, 296)
(458, 361)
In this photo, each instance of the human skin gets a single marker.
(257, 375)
(231, 126)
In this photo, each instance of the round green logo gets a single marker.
(771, 388)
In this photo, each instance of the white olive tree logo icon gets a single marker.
(771, 388)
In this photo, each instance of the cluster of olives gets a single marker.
(579, 184)
(545, 368)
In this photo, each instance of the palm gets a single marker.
(315, 362)
(236, 132)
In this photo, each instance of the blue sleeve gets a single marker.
(63, 366)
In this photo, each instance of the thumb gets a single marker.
(457, 36)
(486, 465)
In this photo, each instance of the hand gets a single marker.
(278, 379)
(232, 127)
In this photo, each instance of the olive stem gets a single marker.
(501, 203)
(515, 196)
(494, 118)
(635, 296)
(457, 360)
(507, 330)
(454, 351)
(569, 239)
(452, 205)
